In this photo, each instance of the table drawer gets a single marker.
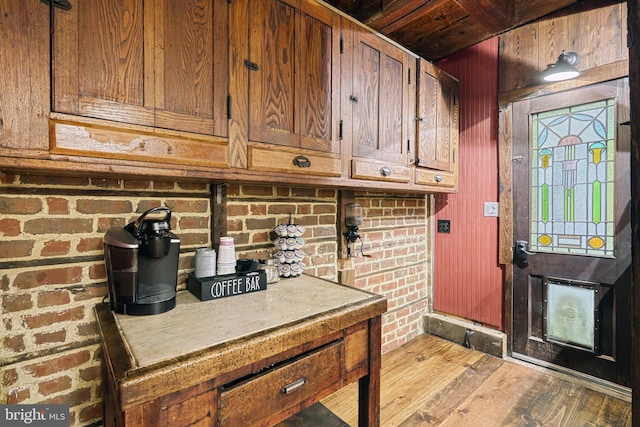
(307, 378)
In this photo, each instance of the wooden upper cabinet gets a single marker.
(293, 63)
(436, 127)
(24, 86)
(377, 96)
(155, 63)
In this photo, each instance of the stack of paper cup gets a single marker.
(205, 263)
(226, 256)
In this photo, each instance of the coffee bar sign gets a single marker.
(208, 288)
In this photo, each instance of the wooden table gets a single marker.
(252, 359)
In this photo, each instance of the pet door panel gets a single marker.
(571, 314)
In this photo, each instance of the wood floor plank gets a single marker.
(434, 382)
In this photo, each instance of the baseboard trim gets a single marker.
(467, 333)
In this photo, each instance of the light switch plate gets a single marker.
(491, 208)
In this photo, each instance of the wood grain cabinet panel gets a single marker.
(378, 89)
(436, 127)
(292, 64)
(141, 80)
(155, 63)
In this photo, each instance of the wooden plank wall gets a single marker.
(467, 276)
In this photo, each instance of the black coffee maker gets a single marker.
(142, 265)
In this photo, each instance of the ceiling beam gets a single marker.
(494, 15)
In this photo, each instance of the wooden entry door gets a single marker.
(571, 194)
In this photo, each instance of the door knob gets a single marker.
(522, 250)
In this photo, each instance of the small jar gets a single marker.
(270, 267)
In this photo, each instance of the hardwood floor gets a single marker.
(431, 381)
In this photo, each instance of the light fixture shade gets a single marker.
(563, 69)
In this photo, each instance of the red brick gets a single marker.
(53, 298)
(105, 224)
(54, 276)
(18, 395)
(9, 227)
(132, 184)
(20, 205)
(97, 271)
(88, 329)
(103, 206)
(14, 344)
(9, 377)
(106, 183)
(189, 206)
(237, 210)
(75, 398)
(90, 413)
(282, 209)
(15, 248)
(50, 180)
(50, 318)
(58, 226)
(58, 206)
(56, 248)
(304, 192)
(58, 364)
(50, 337)
(90, 244)
(13, 303)
(191, 239)
(283, 192)
(55, 385)
(194, 186)
(7, 178)
(90, 374)
(258, 209)
(194, 222)
(257, 190)
(163, 185)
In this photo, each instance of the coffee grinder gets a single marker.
(142, 265)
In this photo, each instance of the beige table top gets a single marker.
(194, 325)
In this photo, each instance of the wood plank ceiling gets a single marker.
(435, 29)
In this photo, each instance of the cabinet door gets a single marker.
(145, 62)
(437, 124)
(24, 86)
(294, 74)
(379, 98)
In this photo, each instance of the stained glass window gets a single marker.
(572, 180)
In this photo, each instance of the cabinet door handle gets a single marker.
(302, 161)
(385, 171)
(353, 98)
(293, 386)
(437, 178)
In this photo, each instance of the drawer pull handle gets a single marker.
(293, 386)
(437, 178)
(385, 171)
(302, 161)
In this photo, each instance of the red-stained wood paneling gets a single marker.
(468, 281)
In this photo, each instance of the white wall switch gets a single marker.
(491, 208)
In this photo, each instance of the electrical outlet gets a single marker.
(491, 208)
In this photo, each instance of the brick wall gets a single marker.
(52, 274)
(52, 268)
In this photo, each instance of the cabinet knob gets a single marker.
(385, 171)
(437, 178)
(302, 161)
(353, 98)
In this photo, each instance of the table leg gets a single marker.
(369, 385)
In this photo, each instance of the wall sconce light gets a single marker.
(563, 69)
(353, 218)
